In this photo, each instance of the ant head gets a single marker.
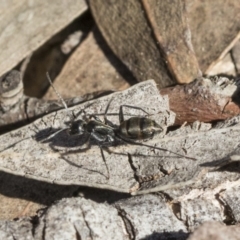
(77, 128)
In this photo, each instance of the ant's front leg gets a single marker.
(53, 134)
(95, 118)
(74, 116)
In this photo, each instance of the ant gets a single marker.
(106, 133)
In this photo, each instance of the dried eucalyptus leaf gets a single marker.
(169, 22)
(126, 30)
(154, 38)
(25, 25)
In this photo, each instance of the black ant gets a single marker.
(105, 133)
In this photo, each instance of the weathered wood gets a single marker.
(11, 90)
(21, 229)
(63, 159)
(78, 218)
(147, 216)
(81, 219)
(81, 168)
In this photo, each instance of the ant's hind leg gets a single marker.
(121, 115)
(154, 147)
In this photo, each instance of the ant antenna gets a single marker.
(63, 103)
(55, 90)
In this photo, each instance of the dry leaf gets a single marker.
(26, 25)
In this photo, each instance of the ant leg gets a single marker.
(121, 116)
(54, 134)
(74, 116)
(153, 147)
(95, 118)
(82, 111)
(104, 159)
(106, 121)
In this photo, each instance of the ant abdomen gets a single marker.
(139, 128)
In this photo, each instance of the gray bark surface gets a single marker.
(64, 159)
(78, 218)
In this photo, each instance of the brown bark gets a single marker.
(203, 100)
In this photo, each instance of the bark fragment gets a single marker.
(205, 100)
